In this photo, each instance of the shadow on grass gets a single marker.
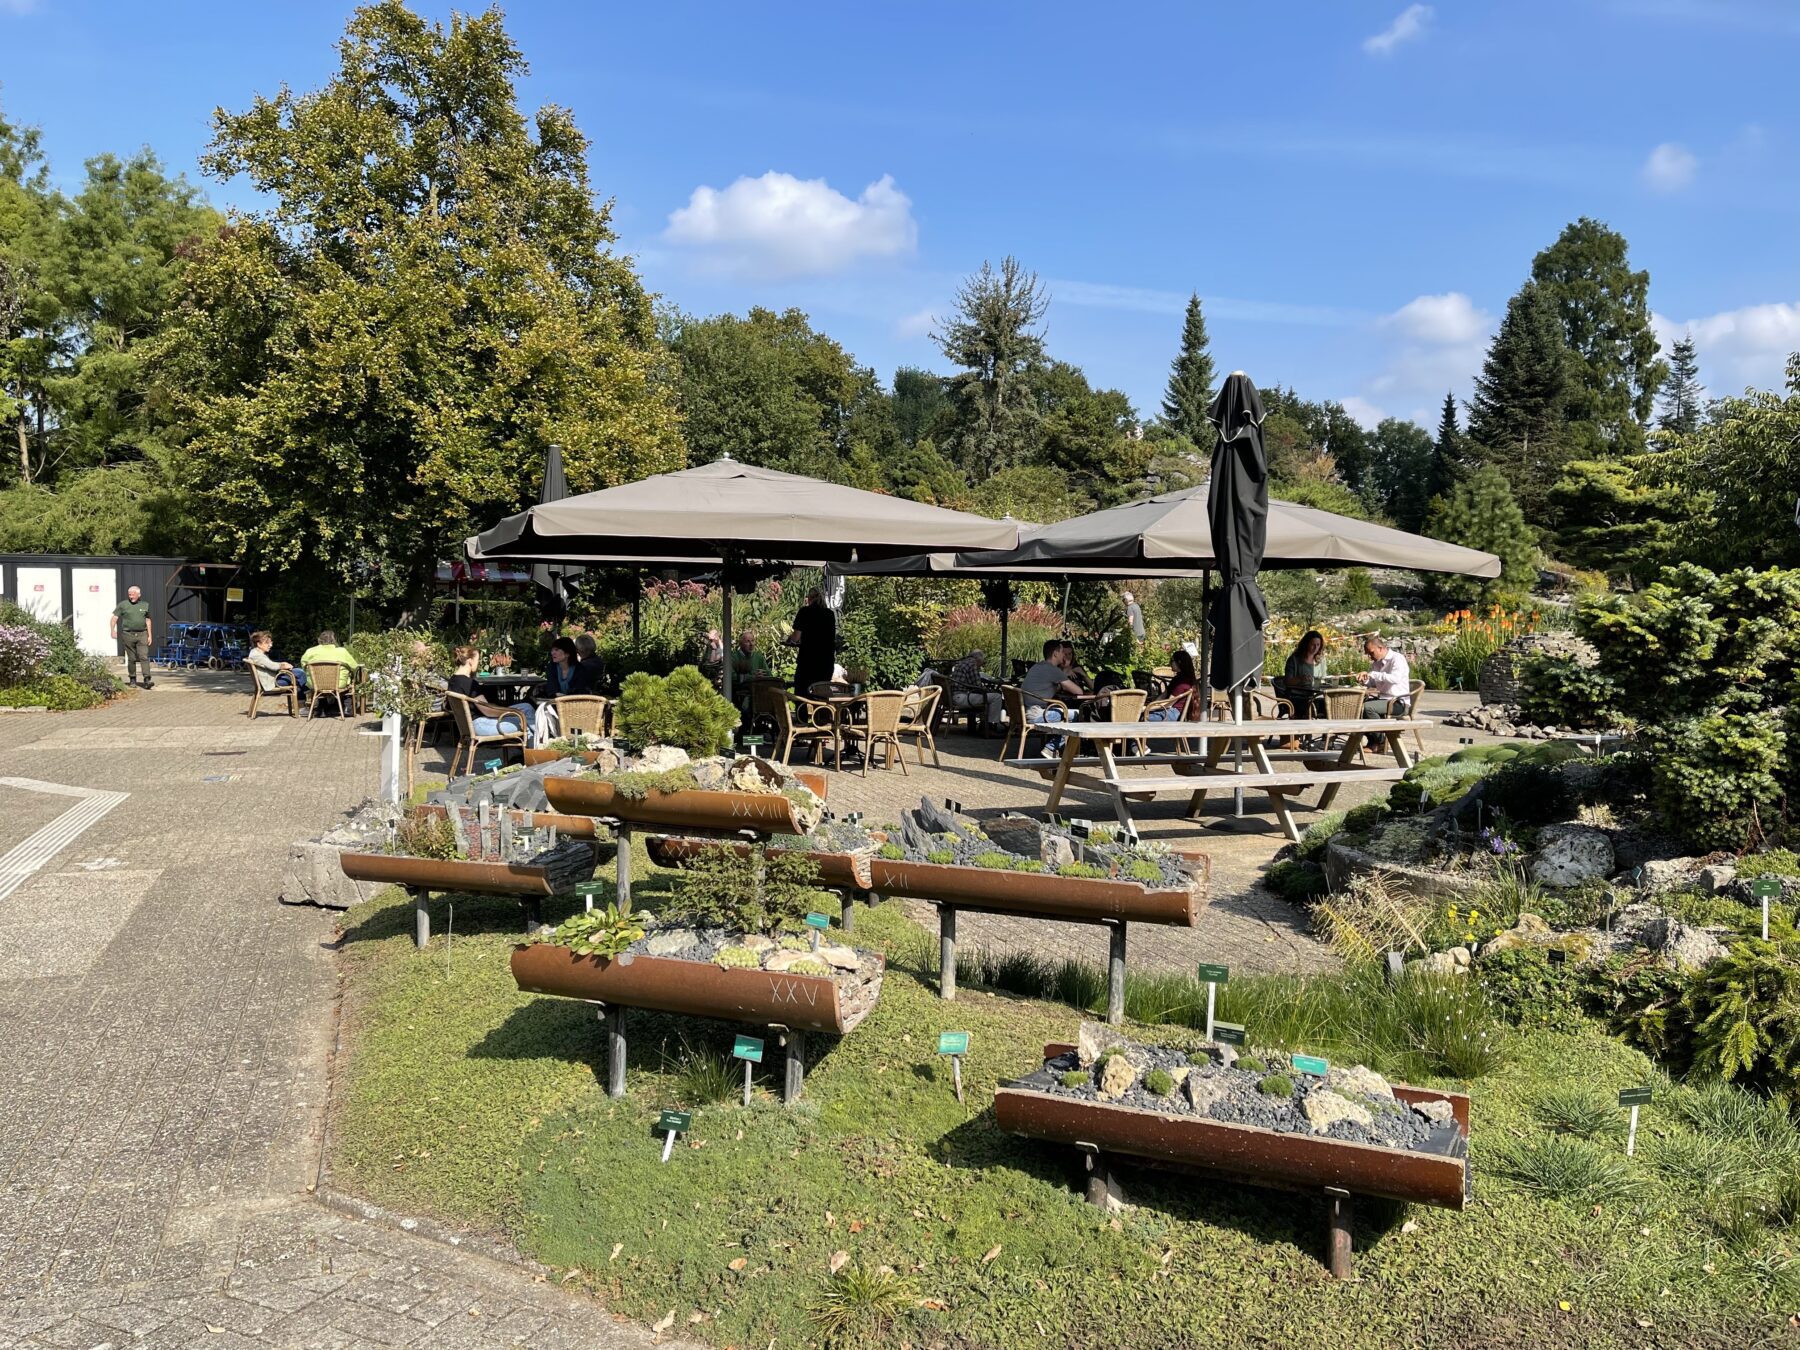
(1264, 1214)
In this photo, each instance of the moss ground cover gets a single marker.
(467, 1100)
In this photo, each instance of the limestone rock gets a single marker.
(1682, 946)
(1117, 1077)
(660, 759)
(756, 942)
(1204, 1093)
(1438, 963)
(1665, 874)
(1055, 851)
(1460, 955)
(1568, 855)
(1360, 1079)
(315, 877)
(1324, 1108)
(844, 958)
(784, 959)
(1530, 923)
(1096, 1038)
(1180, 1075)
(709, 774)
(1438, 1113)
(1716, 879)
(673, 942)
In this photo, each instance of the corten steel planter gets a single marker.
(535, 755)
(837, 871)
(572, 827)
(691, 808)
(697, 988)
(1042, 895)
(457, 874)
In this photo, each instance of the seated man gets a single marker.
(327, 652)
(590, 666)
(270, 673)
(969, 690)
(1050, 679)
(1388, 678)
(747, 664)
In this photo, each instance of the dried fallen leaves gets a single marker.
(738, 1264)
(992, 1252)
(839, 1260)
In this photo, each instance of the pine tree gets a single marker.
(1682, 391)
(1482, 513)
(1446, 453)
(1517, 418)
(994, 337)
(1190, 391)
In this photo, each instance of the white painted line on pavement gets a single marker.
(31, 855)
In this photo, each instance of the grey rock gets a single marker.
(1204, 1093)
(1056, 851)
(673, 941)
(1682, 946)
(1324, 1108)
(1568, 855)
(1438, 1113)
(1096, 1038)
(1717, 878)
(1665, 874)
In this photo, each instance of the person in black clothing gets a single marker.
(815, 634)
(590, 669)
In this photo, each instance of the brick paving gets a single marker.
(165, 1037)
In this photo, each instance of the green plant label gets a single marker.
(1312, 1064)
(674, 1122)
(1210, 974)
(1228, 1033)
(1639, 1096)
(1556, 956)
(1766, 888)
(747, 1047)
(750, 742)
(817, 921)
(592, 887)
(953, 1042)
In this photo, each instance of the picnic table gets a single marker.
(1213, 765)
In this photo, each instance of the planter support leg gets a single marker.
(622, 831)
(1337, 1232)
(793, 1076)
(421, 917)
(852, 898)
(947, 951)
(615, 1050)
(1115, 974)
(1103, 1188)
(534, 915)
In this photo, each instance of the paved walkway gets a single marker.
(165, 1037)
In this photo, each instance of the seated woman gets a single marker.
(562, 677)
(270, 673)
(490, 719)
(1301, 677)
(1186, 682)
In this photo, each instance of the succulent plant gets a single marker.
(891, 851)
(941, 856)
(1276, 1085)
(810, 965)
(992, 858)
(1027, 865)
(737, 956)
(1251, 1064)
(1142, 869)
(1159, 1082)
(1075, 1078)
(1081, 869)
(793, 942)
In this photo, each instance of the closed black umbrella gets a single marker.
(552, 578)
(1237, 507)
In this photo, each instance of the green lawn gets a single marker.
(468, 1101)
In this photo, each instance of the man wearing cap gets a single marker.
(131, 625)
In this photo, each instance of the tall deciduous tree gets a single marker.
(28, 308)
(994, 338)
(1400, 473)
(1682, 393)
(1517, 421)
(1481, 512)
(1089, 435)
(1604, 310)
(1190, 390)
(919, 401)
(376, 362)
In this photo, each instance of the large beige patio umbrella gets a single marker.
(735, 516)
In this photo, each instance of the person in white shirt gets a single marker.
(1389, 679)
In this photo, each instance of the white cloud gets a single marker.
(1441, 320)
(782, 226)
(1670, 167)
(1739, 348)
(1367, 415)
(1409, 25)
(917, 324)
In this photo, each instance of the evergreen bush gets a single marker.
(680, 709)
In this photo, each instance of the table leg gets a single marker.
(1071, 747)
(793, 1068)
(1397, 743)
(1277, 796)
(615, 1050)
(1338, 1235)
(1110, 767)
(421, 918)
(1347, 760)
(1215, 751)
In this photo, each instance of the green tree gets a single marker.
(1517, 421)
(993, 338)
(919, 402)
(1620, 516)
(1319, 431)
(1400, 474)
(29, 313)
(921, 472)
(1604, 309)
(1190, 390)
(1031, 493)
(1682, 393)
(375, 362)
(1480, 512)
(1089, 435)
(1448, 453)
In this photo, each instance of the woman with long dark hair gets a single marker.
(1301, 678)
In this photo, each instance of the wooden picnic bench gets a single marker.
(1206, 769)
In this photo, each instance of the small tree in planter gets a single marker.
(680, 709)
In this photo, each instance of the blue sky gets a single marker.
(1354, 187)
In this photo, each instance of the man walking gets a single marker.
(1134, 616)
(131, 624)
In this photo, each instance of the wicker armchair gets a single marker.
(918, 716)
(881, 728)
(1017, 723)
(464, 710)
(280, 693)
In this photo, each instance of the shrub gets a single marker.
(1364, 817)
(1524, 989)
(1159, 1082)
(1297, 882)
(1312, 844)
(1528, 794)
(59, 693)
(1745, 1011)
(680, 709)
(765, 891)
(1560, 691)
(22, 651)
(1359, 590)
(1713, 778)
(1276, 1085)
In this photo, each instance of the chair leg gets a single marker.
(896, 752)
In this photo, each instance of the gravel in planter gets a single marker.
(933, 834)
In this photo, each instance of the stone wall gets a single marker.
(1501, 679)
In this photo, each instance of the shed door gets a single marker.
(40, 592)
(96, 592)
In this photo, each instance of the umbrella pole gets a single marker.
(1003, 669)
(1237, 753)
(1205, 646)
(730, 646)
(637, 608)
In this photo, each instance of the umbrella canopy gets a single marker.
(552, 578)
(1237, 507)
(726, 509)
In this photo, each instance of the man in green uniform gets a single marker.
(131, 624)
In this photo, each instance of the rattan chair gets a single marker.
(881, 728)
(1414, 692)
(331, 681)
(585, 713)
(817, 726)
(1018, 724)
(464, 710)
(285, 692)
(917, 718)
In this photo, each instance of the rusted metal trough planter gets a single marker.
(535, 755)
(526, 882)
(1043, 895)
(846, 873)
(1336, 1169)
(790, 1005)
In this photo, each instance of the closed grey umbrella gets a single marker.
(1237, 507)
(552, 578)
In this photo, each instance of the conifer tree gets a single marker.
(1446, 453)
(1190, 391)
(1482, 513)
(1517, 418)
(1681, 391)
